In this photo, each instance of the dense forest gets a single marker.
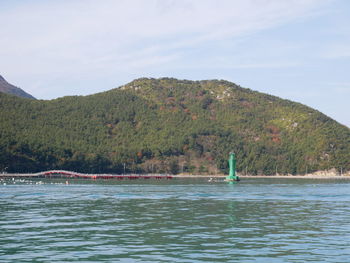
(169, 126)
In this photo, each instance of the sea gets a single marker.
(178, 220)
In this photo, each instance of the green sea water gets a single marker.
(179, 220)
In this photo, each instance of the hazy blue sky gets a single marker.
(294, 49)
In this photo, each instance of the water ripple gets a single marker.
(176, 221)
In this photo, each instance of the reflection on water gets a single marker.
(175, 221)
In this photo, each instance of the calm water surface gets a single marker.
(256, 220)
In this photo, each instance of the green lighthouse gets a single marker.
(232, 165)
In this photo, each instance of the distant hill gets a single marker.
(8, 88)
(170, 125)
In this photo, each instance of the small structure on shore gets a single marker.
(232, 166)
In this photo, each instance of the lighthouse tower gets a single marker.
(232, 165)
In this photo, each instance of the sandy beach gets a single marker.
(332, 174)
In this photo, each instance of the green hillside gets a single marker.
(169, 125)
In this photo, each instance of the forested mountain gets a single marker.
(8, 88)
(170, 125)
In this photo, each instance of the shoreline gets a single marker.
(269, 176)
(321, 175)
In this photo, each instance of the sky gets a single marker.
(295, 49)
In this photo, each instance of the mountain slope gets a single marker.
(169, 125)
(8, 88)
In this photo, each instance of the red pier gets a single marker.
(70, 174)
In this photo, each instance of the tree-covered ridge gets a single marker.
(170, 125)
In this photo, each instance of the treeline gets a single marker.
(171, 126)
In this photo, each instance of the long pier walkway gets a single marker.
(70, 174)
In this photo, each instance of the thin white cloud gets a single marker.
(342, 84)
(341, 88)
(336, 51)
(57, 38)
(244, 65)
